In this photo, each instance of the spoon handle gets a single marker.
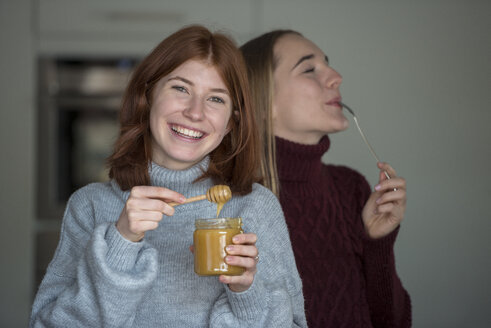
(188, 200)
(363, 136)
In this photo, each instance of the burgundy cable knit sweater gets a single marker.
(349, 280)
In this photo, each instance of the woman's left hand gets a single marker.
(385, 207)
(242, 253)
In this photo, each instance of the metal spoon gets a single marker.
(363, 135)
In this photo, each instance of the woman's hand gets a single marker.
(385, 207)
(143, 210)
(242, 253)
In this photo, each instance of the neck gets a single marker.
(299, 162)
(304, 139)
(182, 181)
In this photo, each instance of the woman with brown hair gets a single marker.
(342, 233)
(123, 259)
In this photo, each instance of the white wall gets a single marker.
(418, 76)
(416, 73)
(16, 162)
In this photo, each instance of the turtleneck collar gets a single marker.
(299, 162)
(181, 181)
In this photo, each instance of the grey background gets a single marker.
(416, 73)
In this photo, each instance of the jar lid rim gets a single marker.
(218, 221)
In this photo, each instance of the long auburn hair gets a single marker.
(235, 161)
(261, 63)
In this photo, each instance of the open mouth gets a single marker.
(187, 133)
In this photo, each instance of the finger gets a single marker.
(395, 183)
(191, 249)
(242, 250)
(135, 216)
(245, 238)
(140, 227)
(393, 196)
(386, 208)
(245, 280)
(383, 175)
(245, 262)
(383, 166)
(161, 193)
(149, 204)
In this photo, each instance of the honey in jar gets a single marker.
(211, 236)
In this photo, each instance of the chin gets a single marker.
(344, 125)
(339, 128)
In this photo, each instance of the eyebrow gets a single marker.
(307, 57)
(182, 79)
(304, 58)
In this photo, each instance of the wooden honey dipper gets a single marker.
(219, 194)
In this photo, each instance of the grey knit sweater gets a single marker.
(99, 279)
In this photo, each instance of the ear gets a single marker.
(235, 117)
(274, 111)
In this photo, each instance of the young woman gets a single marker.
(124, 257)
(342, 234)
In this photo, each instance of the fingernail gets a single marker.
(377, 187)
(235, 239)
(228, 259)
(377, 201)
(229, 248)
(182, 199)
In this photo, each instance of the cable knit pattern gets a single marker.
(349, 280)
(97, 278)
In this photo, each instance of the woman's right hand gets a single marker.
(143, 210)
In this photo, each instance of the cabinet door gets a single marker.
(133, 26)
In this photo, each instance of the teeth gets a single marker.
(187, 132)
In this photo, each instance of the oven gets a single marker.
(79, 99)
(78, 104)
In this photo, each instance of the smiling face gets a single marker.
(190, 111)
(306, 92)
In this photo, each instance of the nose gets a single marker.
(195, 110)
(334, 79)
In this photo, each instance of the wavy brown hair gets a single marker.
(261, 63)
(235, 161)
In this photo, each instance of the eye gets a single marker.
(180, 88)
(217, 100)
(309, 70)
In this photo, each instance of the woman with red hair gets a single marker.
(123, 259)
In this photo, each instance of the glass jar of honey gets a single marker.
(211, 236)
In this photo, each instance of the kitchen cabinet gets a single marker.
(125, 27)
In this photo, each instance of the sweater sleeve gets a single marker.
(275, 298)
(96, 278)
(388, 301)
